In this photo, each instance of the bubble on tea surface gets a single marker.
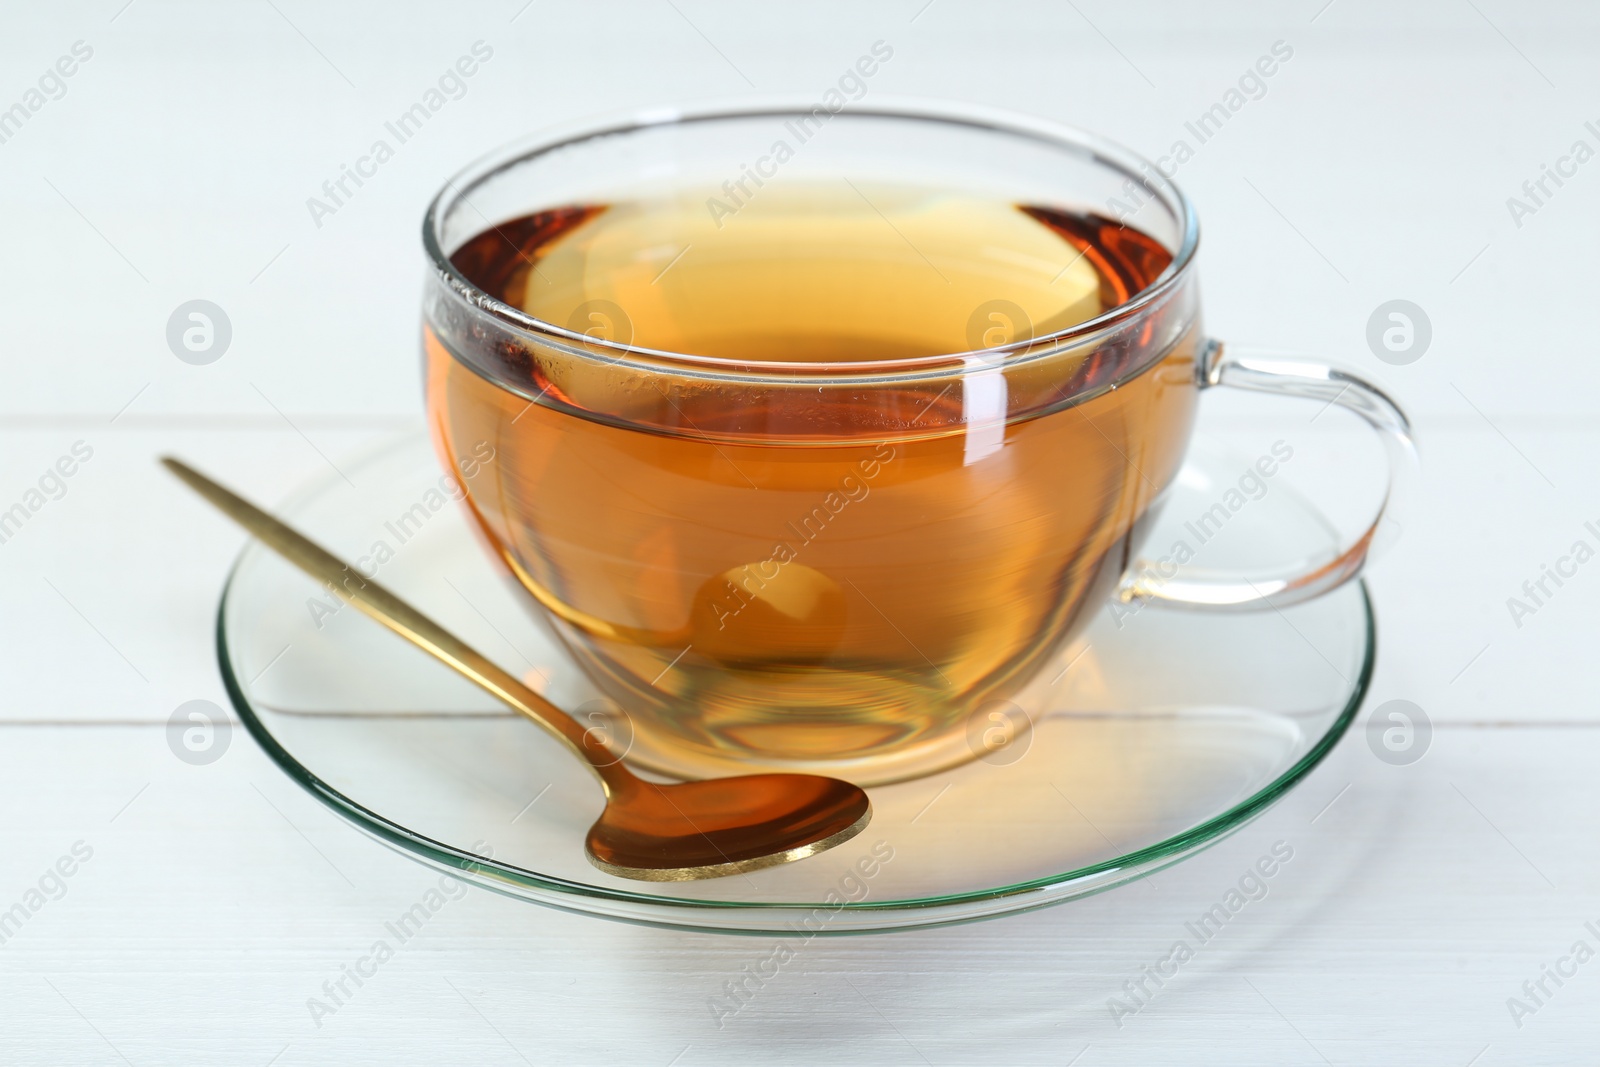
(769, 612)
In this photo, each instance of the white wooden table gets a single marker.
(206, 905)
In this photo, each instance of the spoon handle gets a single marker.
(405, 620)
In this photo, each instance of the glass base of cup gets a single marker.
(867, 728)
(658, 753)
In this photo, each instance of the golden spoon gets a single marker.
(656, 833)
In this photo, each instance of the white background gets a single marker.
(1377, 166)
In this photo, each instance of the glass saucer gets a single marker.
(1155, 735)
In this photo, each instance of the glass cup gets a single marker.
(832, 565)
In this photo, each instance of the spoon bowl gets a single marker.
(678, 832)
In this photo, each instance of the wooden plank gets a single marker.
(219, 898)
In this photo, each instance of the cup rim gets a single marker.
(1100, 150)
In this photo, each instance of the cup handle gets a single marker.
(1143, 582)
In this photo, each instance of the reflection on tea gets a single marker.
(795, 572)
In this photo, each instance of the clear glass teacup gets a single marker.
(811, 431)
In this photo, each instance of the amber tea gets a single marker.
(769, 566)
